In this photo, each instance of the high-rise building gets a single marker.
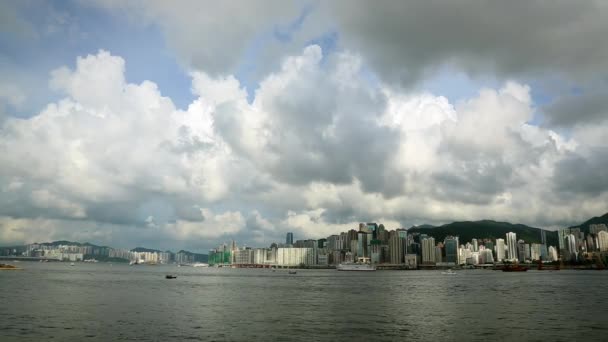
(475, 245)
(512, 246)
(397, 247)
(602, 241)
(543, 237)
(486, 256)
(428, 250)
(571, 247)
(438, 253)
(535, 252)
(500, 250)
(289, 239)
(552, 253)
(521, 250)
(451, 249)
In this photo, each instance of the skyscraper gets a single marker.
(397, 248)
(289, 239)
(428, 250)
(602, 241)
(512, 246)
(451, 249)
(500, 250)
(543, 237)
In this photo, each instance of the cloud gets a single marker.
(588, 107)
(317, 149)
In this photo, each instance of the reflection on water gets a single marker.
(117, 302)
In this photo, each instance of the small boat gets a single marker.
(449, 272)
(170, 276)
(8, 267)
(72, 264)
(293, 272)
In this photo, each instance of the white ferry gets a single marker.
(362, 264)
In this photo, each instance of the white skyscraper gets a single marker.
(500, 250)
(602, 241)
(552, 253)
(512, 246)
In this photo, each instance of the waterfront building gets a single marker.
(396, 247)
(535, 252)
(243, 256)
(486, 256)
(602, 241)
(363, 240)
(428, 250)
(544, 254)
(521, 250)
(465, 253)
(296, 256)
(500, 250)
(322, 259)
(543, 237)
(561, 237)
(475, 245)
(512, 246)
(451, 250)
(375, 252)
(571, 247)
(473, 259)
(260, 256)
(438, 253)
(488, 244)
(411, 261)
(552, 253)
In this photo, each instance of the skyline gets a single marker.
(187, 124)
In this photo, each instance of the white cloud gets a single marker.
(319, 148)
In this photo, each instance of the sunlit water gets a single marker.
(56, 301)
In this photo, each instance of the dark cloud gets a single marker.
(583, 175)
(407, 39)
(587, 107)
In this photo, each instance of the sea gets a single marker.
(117, 302)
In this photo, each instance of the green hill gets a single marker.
(486, 229)
(595, 220)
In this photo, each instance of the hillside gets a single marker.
(595, 220)
(468, 230)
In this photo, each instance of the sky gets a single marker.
(186, 124)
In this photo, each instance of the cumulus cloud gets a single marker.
(317, 149)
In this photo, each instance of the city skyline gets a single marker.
(156, 123)
(388, 249)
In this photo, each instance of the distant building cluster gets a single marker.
(78, 252)
(410, 250)
(371, 241)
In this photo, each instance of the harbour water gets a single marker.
(103, 302)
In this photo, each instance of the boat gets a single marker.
(7, 267)
(72, 264)
(362, 264)
(514, 268)
(450, 272)
(293, 272)
(170, 276)
(200, 264)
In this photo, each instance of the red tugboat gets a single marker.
(514, 268)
